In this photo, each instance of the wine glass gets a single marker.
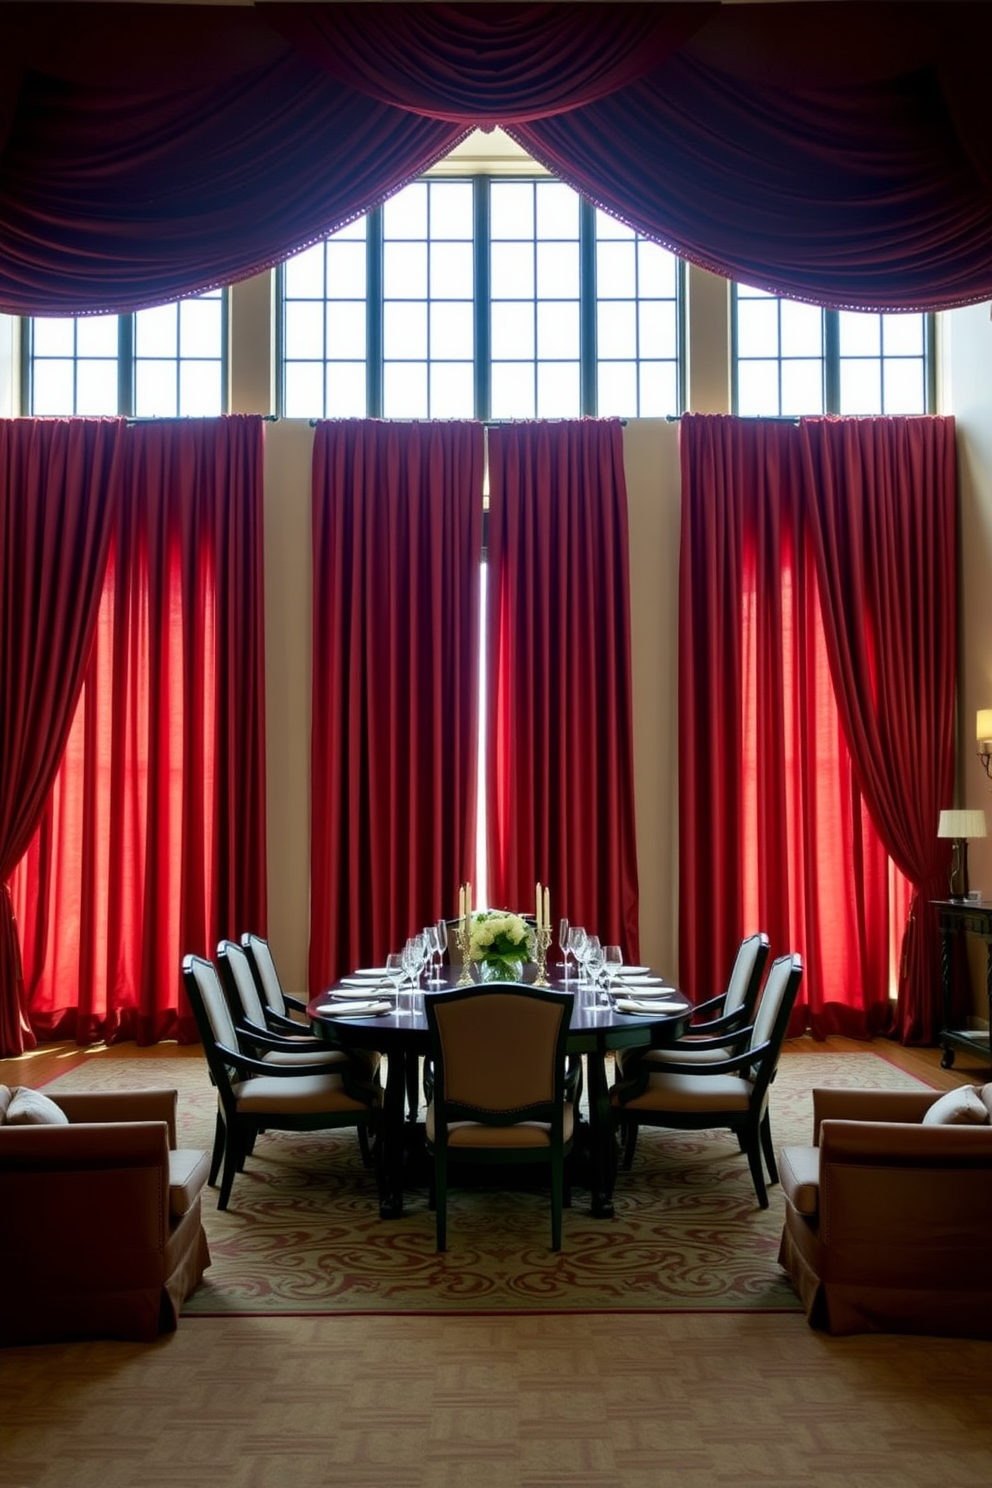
(576, 943)
(412, 962)
(442, 944)
(593, 956)
(396, 972)
(563, 943)
(433, 944)
(612, 967)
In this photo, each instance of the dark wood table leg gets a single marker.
(602, 1137)
(393, 1139)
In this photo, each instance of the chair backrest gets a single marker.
(239, 984)
(772, 1018)
(266, 976)
(499, 1053)
(745, 979)
(213, 1019)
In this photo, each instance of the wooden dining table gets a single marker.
(402, 1035)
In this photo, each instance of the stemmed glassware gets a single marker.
(576, 944)
(413, 960)
(563, 943)
(396, 972)
(442, 944)
(433, 942)
(612, 967)
(593, 957)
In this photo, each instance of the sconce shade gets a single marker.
(962, 823)
(983, 726)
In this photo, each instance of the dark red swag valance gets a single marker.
(836, 152)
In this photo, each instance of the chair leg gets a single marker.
(234, 1161)
(216, 1157)
(768, 1148)
(363, 1144)
(757, 1172)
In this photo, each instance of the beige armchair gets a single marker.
(887, 1221)
(101, 1234)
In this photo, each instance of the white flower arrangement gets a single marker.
(499, 935)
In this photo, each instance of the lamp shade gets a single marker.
(962, 823)
(983, 725)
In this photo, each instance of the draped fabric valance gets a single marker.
(837, 152)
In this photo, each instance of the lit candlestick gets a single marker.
(540, 905)
(547, 908)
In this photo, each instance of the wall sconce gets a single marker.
(983, 732)
(959, 826)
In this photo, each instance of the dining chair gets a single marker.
(280, 1005)
(254, 1096)
(721, 1026)
(730, 1092)
(499, 1093)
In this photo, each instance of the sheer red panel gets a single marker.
(397, 547)
(152, 843)
(559, 740)
(781, 827)
(58, 507)
(148, 151)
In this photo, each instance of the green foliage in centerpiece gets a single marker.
(501, 942)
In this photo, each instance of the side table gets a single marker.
(957, 916)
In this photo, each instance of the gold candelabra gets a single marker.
(542, 940)
(463, 936)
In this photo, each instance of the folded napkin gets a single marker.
(629, 1005)
(355, 1009)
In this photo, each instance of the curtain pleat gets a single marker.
(397, 550)
(559, 738)
(152, 841)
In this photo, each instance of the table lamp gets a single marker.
(959, 826)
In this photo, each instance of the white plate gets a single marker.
(367, 983)
(368, 971)
(355, 1009)
(637, 982)
(634, 970)
(628, 1005)
(361, 989)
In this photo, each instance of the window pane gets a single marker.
(304, 390)
(452, 390)
(557, 210)
(345, 390)
(903, 335)
(860, 387)
(658, 328)
(404, 274)
(609, 227)
(346, 328)
(513, 390)
(659, 389)
(305, 274)
(155, 392)
(512, 333)
(405, 214)
(345, 270)
(511, 209)
(96, 387)
(558, 271)
(200, 327)
(905, 386)
(404, 332)
(304, 332)
(156, 332)
(616, 270)
(616, 329)
(96, 336)
(802, 386)
(802, 329)
(657, 271)
(757, 328)
(512, 270)
(452, 269)
(617, 389)
(200, 389)
(54, 337)
(405, 390)
(757, 389)
(54, 390)
(558, 330)
(452, 332)
(452, 209)
(860, 335)
(558, 390)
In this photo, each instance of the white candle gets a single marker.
(468, 898)
(540, 905)
(461, 902)
(547, 908)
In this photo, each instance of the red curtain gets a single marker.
(560, 763)
(397, 548)
(783, 826)
(148, 151)
(881, 504)
(152, 842)
(58, 501)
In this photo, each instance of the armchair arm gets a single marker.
(730, 1023)
(296, 1003)
(122, 1105)
(733, 1065)
(244, 1064)
(711, 1005)
(870, 1105)
(903, 1144)
(81, 1147)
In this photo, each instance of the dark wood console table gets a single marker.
(956, 916)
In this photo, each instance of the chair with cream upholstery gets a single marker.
(279, 1004)
(731, 1092)
(499, 1091)
(254, 1095)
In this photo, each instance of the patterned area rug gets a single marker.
(303, 1234)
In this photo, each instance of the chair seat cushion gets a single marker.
(189, 1169)
(667, 1092)
(300, 1095)
(521, 1134)
(308, 1054)
(799, 1170)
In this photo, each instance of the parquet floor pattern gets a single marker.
(589, 1401)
